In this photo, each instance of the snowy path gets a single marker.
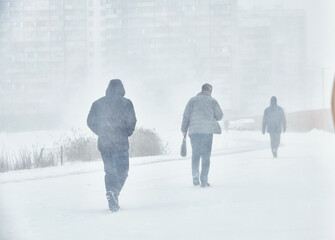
(229, 144)
(253, 196)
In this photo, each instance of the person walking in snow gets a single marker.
(113, 119)
(200, 120)
(274, 121)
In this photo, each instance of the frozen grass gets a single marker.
(80, 146)
(76, 145)
(5, 164)
(146, 142)
(25, 158)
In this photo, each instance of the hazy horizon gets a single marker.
(160, 100)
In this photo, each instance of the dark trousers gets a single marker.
(275, 140)
(201, 147)
(116, 166)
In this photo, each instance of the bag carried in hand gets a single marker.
(183, 149)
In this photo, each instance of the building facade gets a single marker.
(48, 48)
(189, 41)
(271, 59)
(42, 58)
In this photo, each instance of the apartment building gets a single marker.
(189, 41)
(271, 59)
(42, 58)
(48, 48)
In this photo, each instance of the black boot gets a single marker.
(196, 181)
(274, 153)
(113, 201)
(205, 184)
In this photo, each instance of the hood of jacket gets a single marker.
(115, 88)
(273, 101)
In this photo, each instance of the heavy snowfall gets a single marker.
(57, 58)
(252, 195)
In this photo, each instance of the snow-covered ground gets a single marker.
(252, 195)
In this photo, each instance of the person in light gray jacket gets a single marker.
(200, 120)
(274, 121)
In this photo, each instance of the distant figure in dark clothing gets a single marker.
(200, 118)
(226, 125)
(274, 121)
(113, 119)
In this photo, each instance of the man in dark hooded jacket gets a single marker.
(274, 121)
(113, 119)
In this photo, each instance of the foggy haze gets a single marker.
(163, 52)
(58, 56)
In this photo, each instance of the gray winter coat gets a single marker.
(274, 120)
(201, 115)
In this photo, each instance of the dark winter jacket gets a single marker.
(112, 118)
(274, 120)
(201, 115)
